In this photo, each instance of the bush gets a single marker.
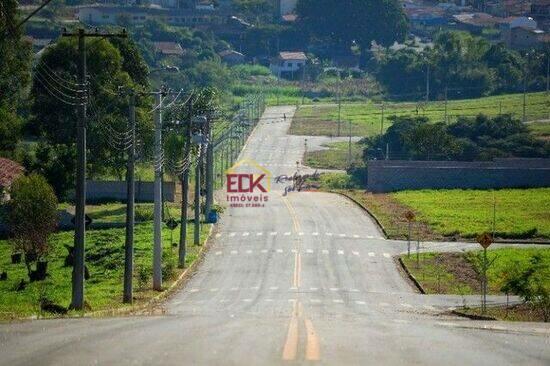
(32, 217)
(335, 181)
(144, 213)
(143, 274)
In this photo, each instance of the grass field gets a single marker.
(105, 260)
(367, 119)
(335, 156)
(540, 129)
(459, 274)
(520, 213)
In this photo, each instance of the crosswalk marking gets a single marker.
(232, 234)
(300, 234)
(387, 255)
(213, 289)
(246, 233)
(328, 234)
(338, 301)
(273, 233)
(259, 234)
(249, 252)
(342, 235)
(315, 300)
(371, 254)
(264, 250)
(355, 253)
(313, 289)
(309, 251)
(360, 302)
(218, 253)
(325, 251)
(315, 234)
(340, 252)
(279, 250)
(334, 289)
(356, 236)
(287, 233)
(234, 252)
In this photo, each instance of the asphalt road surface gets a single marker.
(307, 278)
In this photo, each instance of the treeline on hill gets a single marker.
(466, 65)
(468, 139)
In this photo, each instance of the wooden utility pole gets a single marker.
(77, 299)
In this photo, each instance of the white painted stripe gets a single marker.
(300, 234)
(371, 254)
(355, 253)
(338, 301)
(429, 307)
(309, 251)
(315, 234)
(384, 304)
(264, 250)
(360, 302)
(342, 235)
(218, 253)
(232, 234)
(293, 288)
(315, 301)
(194, 290)
(234, 289)
(328, 234)
(234, 252)
(273, 233)
(279, 250)
(370, 236)
(249, 252)
(287, 233)
(356, 236)
(354, 290)
(313, 289)
(247, 300)
(246, 233)
(324, 251)
(334, 289)
(269, 300)
(340, 252)
(255, 288)
(259, 234)
(387, 255)
(294, 251)
(274, 288)
(213, 289)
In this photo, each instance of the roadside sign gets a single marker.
(171, 224)
(485, 240)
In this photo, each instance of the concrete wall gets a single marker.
(395, 175)
(116, 190)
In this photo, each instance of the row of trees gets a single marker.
(462, 65)
(468, 139)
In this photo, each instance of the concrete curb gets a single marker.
(472, 316)
(371, 215)
(411, 277)
(155, 301)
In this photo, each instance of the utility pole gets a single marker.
(209, 170)
(525, 95)
(157, 229)
(130, 200)
(428, 84)
(349, 144)
(77, 298)
(185, 186)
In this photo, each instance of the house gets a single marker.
(9, 172)
(168, 49)
(135, 15)
(232, 57)
(476, 22)
(288, 64)
(522, 38)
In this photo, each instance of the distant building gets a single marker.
(475, 22)
(232, 57)
(285, 7)
(540, 11)
(288, 64)
(9, 172)
(168, 48)
(522, 38)
(189, 17)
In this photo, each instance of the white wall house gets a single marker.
(288, 64)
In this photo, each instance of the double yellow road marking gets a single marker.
(290, 349)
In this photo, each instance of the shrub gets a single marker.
(335, 181)
(143, 274)
(32, 217)
(144, 213)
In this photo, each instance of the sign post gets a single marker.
(485, 241)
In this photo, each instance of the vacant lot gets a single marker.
(519, 213)
(459, 274)
(369, 118)
(105, 261)
(335, 156)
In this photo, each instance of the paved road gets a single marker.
(306, 279)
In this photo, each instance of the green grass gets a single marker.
(540, 129)
(366, 117)
(335, 157)
(457, 273)
(105, 260)
(520, 213)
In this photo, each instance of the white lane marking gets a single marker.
(370, 237)
(273, 233)
(371, 254)
(213, 289)
(293, 288)
(334, 289)
(340, 252)
(234, 289)
(269, 300)
(342, 235)
(274, 288)
(315, 300)
(328, 234)
(294, 251)
(232, 234)
(300, 234)
(355, 253)
(354, 290)
(249, 252)
(338, 301)
(246, 233)
(279, 250)
(194, 290)
(247, 300)
(264, 250)
(255, 288)
(313, 289)
(234, 252)
(218, 253)
(384, 304)
(387, 255)
(325, 251)
(259, 234)
(309, 251)
(356, 236)
(287, 233)
(315, 234)
(218, 235)
(360, 302)
(406, 305)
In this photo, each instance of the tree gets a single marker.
(32, 218)
(363, 21)
(15, 58)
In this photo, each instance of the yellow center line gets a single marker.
(291, 345)
(312, 345)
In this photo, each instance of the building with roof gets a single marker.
(288, 64)
(232, 57)
(168, 49)
(9, 172)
